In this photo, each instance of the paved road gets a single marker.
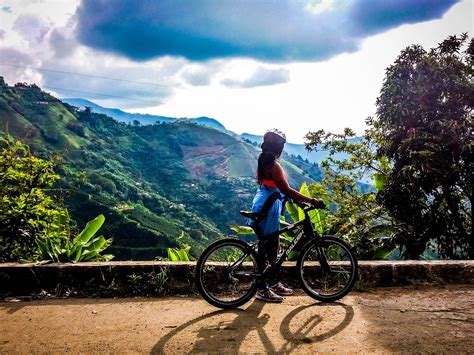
(387, 320)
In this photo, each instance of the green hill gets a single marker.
(127, 117)
(154, 183)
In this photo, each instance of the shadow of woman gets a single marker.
(224, 334)
(300, 335)
(229, 335)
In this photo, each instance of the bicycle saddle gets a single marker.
(250, 215)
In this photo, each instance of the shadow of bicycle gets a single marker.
(226, 331)
(302, 326)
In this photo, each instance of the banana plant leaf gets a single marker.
(90, 230)
(292, 210)
(98, 244)
(293, 255)
(242, 229)
(182, 254)
(172, 256)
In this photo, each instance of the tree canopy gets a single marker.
(418, 148)
(424, 113)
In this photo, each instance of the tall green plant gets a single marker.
(181, 253)
(321, 222)
(178, 254)
(84, 247)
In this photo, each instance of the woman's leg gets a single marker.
(272, 252)
(267, 256)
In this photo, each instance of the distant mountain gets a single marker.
(127, 117)
(144, 119)
(158, 185)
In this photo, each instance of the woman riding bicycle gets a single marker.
(273, 185)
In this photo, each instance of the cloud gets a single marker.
(62, 42)
(198, 76)
(7, 9)
(260, 77)
(275, 31)
(31, 28)
(371, 17)
(21, 61)
(112, 81)
(2, 34)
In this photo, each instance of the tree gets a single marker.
(356, 214)
(418, 149)
(424, 112)
(25, 210)
(32, 225)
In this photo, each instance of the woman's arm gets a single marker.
(279, 177)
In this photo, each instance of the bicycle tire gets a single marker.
(315, 277)
(220, 273)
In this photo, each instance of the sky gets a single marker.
(295, 65)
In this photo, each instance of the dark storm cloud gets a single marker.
(370, 17)
(261, 77)
(279, 30)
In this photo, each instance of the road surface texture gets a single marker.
(427, 319)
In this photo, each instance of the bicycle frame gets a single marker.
(306, 232)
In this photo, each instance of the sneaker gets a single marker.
(268, 295)
(281, 289)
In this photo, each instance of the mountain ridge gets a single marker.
(159, 185)
(291, 148)
(129, 117)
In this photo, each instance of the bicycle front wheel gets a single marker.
(226, 273)
(327, 269)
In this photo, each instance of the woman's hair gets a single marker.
(272, 147)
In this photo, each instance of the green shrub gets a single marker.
(33, 227)
(25, 210)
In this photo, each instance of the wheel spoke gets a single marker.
(227, 273)
(328, 269)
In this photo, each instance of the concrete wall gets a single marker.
(128, 278)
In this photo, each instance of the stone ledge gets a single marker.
(128, 278)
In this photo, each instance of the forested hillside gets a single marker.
(127, 117)
(158, 185)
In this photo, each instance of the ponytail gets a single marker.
(266, 160)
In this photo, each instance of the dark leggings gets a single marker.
(267, 255)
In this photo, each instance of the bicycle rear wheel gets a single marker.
(327, 269)
(226, 273)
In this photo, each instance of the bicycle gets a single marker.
(227, 272)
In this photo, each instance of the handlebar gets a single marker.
(306, 207)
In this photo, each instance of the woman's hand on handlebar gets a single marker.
(315, 203)
(320, 204)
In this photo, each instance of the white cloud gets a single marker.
(261, 76)
(332, 95)
(319, 6)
